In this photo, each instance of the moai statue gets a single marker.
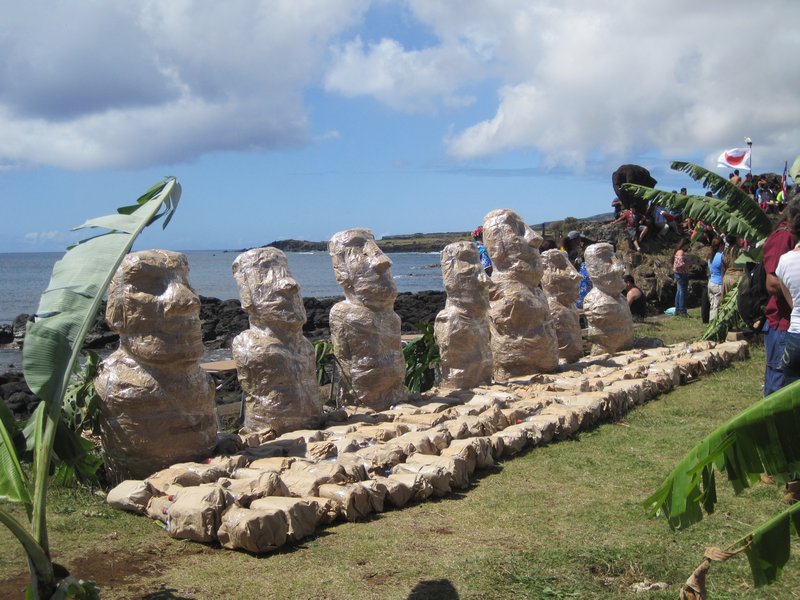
(275, 363)
(561, 282)
(462, 328)
(365, 330)
(606, 309)
(524, 338)
(157, 403)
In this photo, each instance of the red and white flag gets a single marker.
(735, 158)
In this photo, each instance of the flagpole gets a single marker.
(749, 143)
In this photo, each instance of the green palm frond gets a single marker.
(727, 318)
(739, 202)
(712, 211)
(761, 439)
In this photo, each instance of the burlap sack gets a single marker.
(195, 514)
(353, 499)
(244, 491)
(437, 476)
(398, 494)
(257, 531)
(455, 466)
(419, 486)
(131, 495)
(302, 515)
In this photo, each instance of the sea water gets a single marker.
(23, 276)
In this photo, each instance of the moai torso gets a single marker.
(365, 330)
(157, 403)
(462, 327)
(275, 363)
(610, 325)
(524, 338)
(561, 283)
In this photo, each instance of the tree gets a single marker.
(53, 342)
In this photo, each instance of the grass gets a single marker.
(563, 521)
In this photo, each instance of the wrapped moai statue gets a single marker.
(561, 283)
(275, 363)
(610, 325)
(462, 327)
(157, 404)
(365, 330)
(524, 338)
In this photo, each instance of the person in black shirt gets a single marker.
(636, 300)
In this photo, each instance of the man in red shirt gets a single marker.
(778, 310)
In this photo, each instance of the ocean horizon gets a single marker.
(25, 275)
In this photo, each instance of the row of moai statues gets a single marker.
(158, 403)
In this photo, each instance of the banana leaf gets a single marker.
(739, 202)
(761, 439)
(770, 545)
(53, 341)
(727, 318)
(712, 211)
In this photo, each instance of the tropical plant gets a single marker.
(732, 212)
(53, 343)
(421, 356)
(761, 439)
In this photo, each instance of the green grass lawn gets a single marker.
(563, 521)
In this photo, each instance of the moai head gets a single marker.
(362, 269)
(604, 268)
(154, 309)
(512, 246)
(560, 279)
(269, 293)
(464, 279)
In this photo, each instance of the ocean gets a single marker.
(23, 276)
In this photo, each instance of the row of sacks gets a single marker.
(282, 490)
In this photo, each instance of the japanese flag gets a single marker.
(735, 158)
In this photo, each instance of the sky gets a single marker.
(300, 118)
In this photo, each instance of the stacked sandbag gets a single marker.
(257, 501)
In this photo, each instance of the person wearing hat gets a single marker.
(486, 262)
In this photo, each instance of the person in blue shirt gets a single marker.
(716, 267)
(486, 262)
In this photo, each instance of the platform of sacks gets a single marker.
(279, 491)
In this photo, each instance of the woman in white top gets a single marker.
(788, 272)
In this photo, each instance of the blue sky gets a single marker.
(299, 118)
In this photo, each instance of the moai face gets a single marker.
(464, 279)
(362, 269)
(604, 268)
(560, 279)
(512, 246)
(154, 309)
(269, 293)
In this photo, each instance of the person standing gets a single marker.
(680, 272)
(778, 310)
(716, 267)
(486, 262)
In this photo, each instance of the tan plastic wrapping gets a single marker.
(195, 513)
(302, 515)
(131, 495)
(256, 531)
(353, 499)
(561, 283)
(524, 340)
(275, 363)
(462, 328)
(244, 491)
(157, 403)
(437, 476)
(365, 330)
(610, 324)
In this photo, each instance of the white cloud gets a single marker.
(125, 84)
(409, 81)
